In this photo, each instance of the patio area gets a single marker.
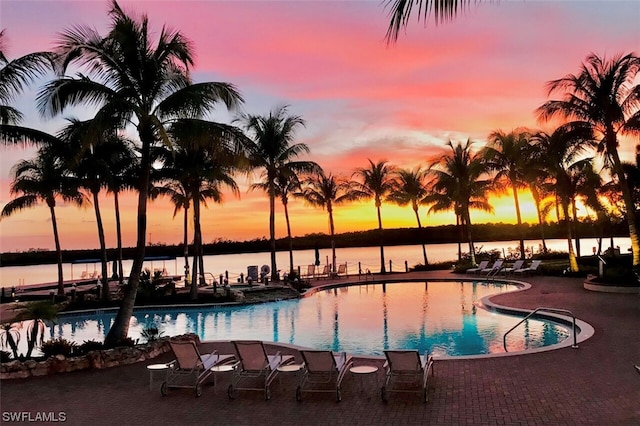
(594, 384)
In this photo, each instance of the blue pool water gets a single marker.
(443, 318)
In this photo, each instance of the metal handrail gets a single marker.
(552, 310)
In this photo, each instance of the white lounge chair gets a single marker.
(311, 272)
(342, 271)
(190, 369)
(531, 269)
(326, 271)
(483, 264)
(494, 269)
(323, 367)
(516, 266)
(405, 367)
(255, 364)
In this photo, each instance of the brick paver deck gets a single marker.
(593, 385)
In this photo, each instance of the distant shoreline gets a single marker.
(445, 234)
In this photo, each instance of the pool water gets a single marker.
(443, 318)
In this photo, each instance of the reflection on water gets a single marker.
(440, 317)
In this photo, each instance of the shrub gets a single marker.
(433, 266)
(151, 334)
(88, 346)
(462, 266)
(127, 341)
(552, 255)
(619, 276)
(58, 347)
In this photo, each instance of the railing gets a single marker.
(551, 310)
(209, 281)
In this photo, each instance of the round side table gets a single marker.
(153, 368)
(363, 371)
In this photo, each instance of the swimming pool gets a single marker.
(442, 317)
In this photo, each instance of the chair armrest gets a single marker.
(341, 360)
(275, 360)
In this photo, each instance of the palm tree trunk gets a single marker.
(574, 225)
(472, 249)
(56, 239)
(383, 270)
(118, 237)
(197, 245)
(424, 249)
(536, 200)
(286, 216)
(201, 260)
(629, 206)
(106, 293)
(460, 237)
(332, 231)
(120, 328)
(519, 219)
(186, 243)
(272, 230)
(573, 261)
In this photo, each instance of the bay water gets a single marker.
(358, 259)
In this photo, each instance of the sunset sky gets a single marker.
(360, 97)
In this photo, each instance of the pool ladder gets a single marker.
(551, 310)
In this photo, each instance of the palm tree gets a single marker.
(201, 163)
(400, 12)
(89, 150)
(561, 151)
(444, 201)
(181, 199)
(15, 75)
(286, 184)
(377, 181)
(586, 184)
(44, 179)
(273, 152)
(535, 180)
(130, 77)
(411, 189)
(459, 177)
(603, 96)
(506, 154)
(123, 165)
(327, 191)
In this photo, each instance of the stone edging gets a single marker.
(94, 360)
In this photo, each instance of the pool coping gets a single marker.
(584, 330)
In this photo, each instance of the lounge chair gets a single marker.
(342, 271)
(493, 270)
(255, 364)
(311, 272)
(323, 368)
(326, 272)
(531, 269)
(406, 371)
(516, 265)
(190, 369)
(483, 264)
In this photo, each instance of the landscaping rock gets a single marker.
(98, 359)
